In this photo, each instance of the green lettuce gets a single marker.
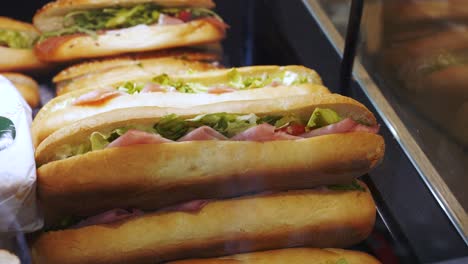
(288, 120)
(354, 186)
(15, 39)
(131, 87)
(323, 117)
(90, 21)
(226, 124)
(172, 127)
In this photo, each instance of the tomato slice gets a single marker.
(184, 15)
(294, 130)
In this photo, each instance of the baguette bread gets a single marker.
(84, 75)
(18, 59)
(291, 256)
(315, 218)
(62, 111)
(155, 175)
(28, 87)
(119, 41)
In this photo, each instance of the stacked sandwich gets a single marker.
(149, 159)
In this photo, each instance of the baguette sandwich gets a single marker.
(291, 256)
(105, 72)
(178, 90)
(146, 157)
(322, 217)
(73, 29)
(16, 42)
(27, 87)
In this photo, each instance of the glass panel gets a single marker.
(417, 53)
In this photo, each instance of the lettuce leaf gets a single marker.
(90, 21)
(354, 186)
(323, 117)
(288, 120)
(131, 87)
(15, 39)
(227, 124)
(172, 127)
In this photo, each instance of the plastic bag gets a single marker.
(18, 207)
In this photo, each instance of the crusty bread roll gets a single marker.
(28, 87)
(291, 256)
(14, 59)
(315, 218)
(109, 71)
(154, 175)
(61, 111)
(118, 41)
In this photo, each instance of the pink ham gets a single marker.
(97, 96)
(109, 217)
(136, 137)
(369, 129)
(190, 207)
(263, 132)
(152, 88)
(203, 133)
(168, 20)
(221, 90)
(344, 126)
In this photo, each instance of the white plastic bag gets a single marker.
(18, 207)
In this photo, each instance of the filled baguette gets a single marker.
(146, 157)
(323, 217)
(16, 42)
(86, 29)
(140, 88)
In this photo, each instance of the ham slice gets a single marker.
(152, 88)
(168, 20)
(136, 137)
(263, 132)
(344, 126)
(203, 133)
(97, 97)
(221, 90)
(118, 214)
(107, 217)
(190, 207)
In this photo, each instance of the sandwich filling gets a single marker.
(16, 39)
(94, 21)
(220, 126)
(164, 83)
(193, 207)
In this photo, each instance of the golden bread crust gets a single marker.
(156, 175)
(290, 256)
(135, 39)
(28, 87)
(13, 24)
(49, 17)
(316, 218)
(303, 105)
(123, 71)
(19, 60)
(103, 65)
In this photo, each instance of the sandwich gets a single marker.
(291, 256)
(336, 216)
(187, 89)
(27, 87)
(16, 42)
(105, 72)
(150, 157)
(87, 29)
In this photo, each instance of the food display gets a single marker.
(154, 151)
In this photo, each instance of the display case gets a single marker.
(420, 187)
